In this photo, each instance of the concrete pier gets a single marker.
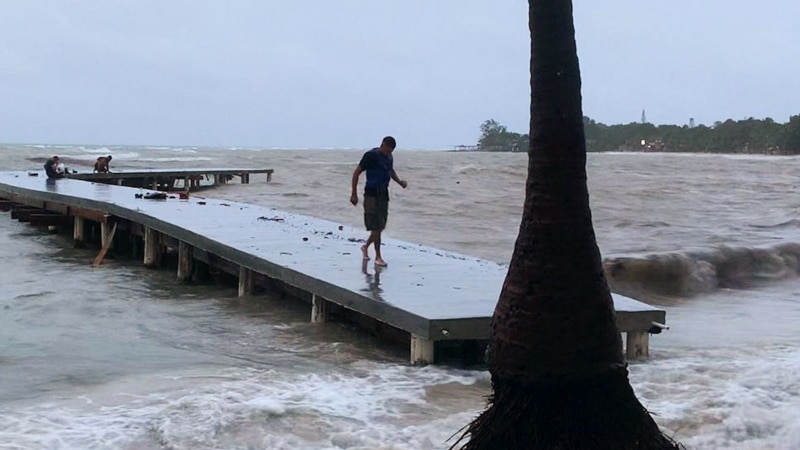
(435, 301)
(171, 179)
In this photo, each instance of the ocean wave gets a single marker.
(789, 224)
(92, 156)
(177, 159)
(689, 273)
(95, 150)
(251, 408)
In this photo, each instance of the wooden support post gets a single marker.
(135, 244)
(185, 260)
(269, 176)
(422, 350)
(319, 309)
(637, 345)
(152, 243)
(106, 238)
(78, 230)
(200, 274)
(246, 279)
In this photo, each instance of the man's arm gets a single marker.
(397, 179)
(354, 185)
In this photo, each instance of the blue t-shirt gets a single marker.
(379, 168)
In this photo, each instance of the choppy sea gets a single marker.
(121, 357)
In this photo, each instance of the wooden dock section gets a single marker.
(436, 302)
(171, 179)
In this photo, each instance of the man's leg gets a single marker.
(365, 247)
(381, 213)
(370, 223)
(376, 239)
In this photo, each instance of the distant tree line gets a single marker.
(497, 138)
(743, 136)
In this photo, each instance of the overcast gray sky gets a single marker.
(325, 73)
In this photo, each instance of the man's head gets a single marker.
(388, 145)
(55, 158)
(108, 158)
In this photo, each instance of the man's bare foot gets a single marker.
(364, 252)
(380, 262)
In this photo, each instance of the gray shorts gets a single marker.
(376, 211)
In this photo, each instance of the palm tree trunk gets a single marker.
(559, 376)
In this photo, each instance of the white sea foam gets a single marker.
(379, 406)
(725, 398)
(175, 159)
(92, 156)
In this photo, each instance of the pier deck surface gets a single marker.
(176, 173)
(430, 293)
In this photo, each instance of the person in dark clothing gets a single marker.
(51, 168)
(379, 165)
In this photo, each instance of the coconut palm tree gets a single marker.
(559, 377)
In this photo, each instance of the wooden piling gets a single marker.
(152, 252)
(78, 231)
(422, 350)
(637, 345)
(245, 281)
(319, 309)
(185, 260)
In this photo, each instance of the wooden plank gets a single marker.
(23, 213)
(61, 208)
(96, 215)
(106, 237)
(109, 239)
(48, 219)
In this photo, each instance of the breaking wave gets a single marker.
(689, 273)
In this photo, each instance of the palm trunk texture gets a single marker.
(559, 377)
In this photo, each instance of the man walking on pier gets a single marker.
(379, 165)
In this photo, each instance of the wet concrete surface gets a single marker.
(429, 292)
